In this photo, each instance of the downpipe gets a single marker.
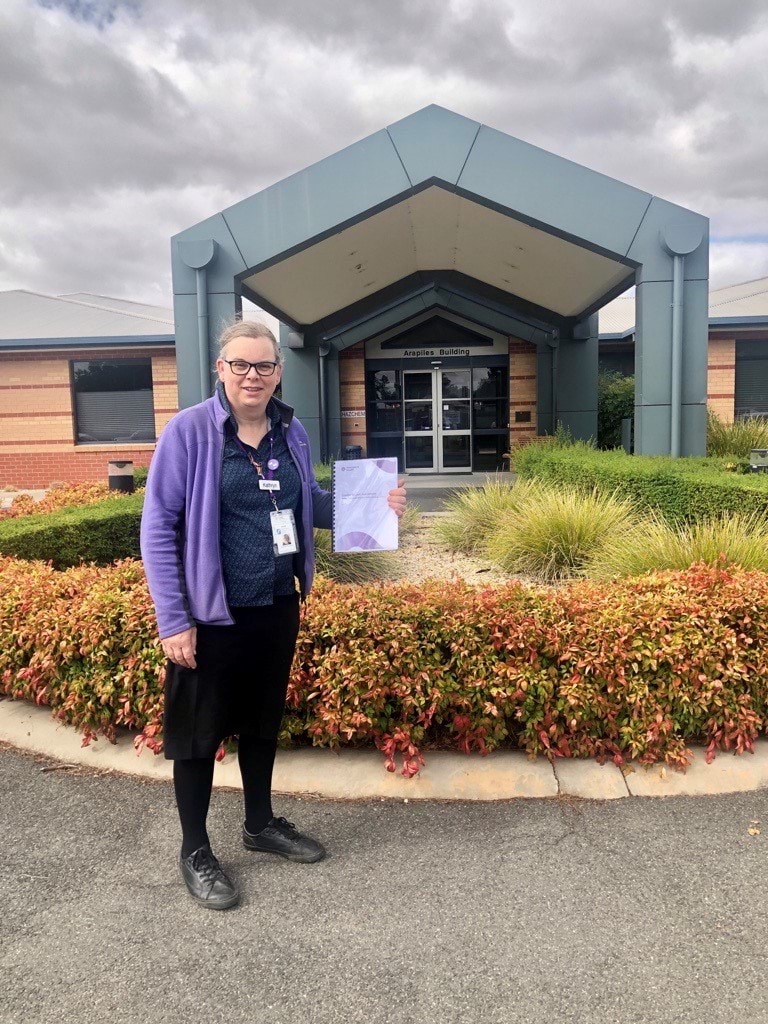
(201, 287)
(676, 400)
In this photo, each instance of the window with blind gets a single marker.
(113, 401)
(751, 379)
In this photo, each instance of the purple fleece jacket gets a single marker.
(180, 523)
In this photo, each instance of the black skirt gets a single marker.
(239, 684)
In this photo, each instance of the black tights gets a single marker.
(193, 779)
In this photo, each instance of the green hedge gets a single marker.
(101, 533)
(681, 489)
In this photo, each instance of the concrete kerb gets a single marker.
(360, 774)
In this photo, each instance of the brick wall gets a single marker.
(37, 430)
(352, 395)
(522, 389)
(164, 388)
(721, 377)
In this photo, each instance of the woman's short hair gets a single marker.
(248, 329)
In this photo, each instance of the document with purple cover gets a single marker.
(362, 519)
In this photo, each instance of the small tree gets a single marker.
(615, 402)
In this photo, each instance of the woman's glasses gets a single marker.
(240, 367)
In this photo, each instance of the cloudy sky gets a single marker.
(124, 121)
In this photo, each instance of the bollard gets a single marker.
(120, 475)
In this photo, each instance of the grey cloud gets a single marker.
(135, 129)
(718, 19)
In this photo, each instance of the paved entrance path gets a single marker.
(624, 912)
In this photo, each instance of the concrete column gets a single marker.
(653, 368)
(222, 308)
(669, 235)
(205, 264)
(576, 402)
(301, 391)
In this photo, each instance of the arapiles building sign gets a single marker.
(381, 349)
(425, 353)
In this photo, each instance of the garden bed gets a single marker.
(636, 671)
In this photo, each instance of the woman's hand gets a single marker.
(181, 647)
(396, 498)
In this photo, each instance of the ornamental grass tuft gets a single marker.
(361, 566)
(735, 439)
(473, 514)
(554, 533)
(653, 544)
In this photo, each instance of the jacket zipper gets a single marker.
(218, 530)
(305, 495)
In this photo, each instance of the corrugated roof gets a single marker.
(747, 299)
(162, 313)
(32, 315)
(618, 316)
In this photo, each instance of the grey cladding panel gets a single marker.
(693, 435)
(695, 341)
(648, 250)
(318, 199)
(544, 187)
(433, 143)
(187, 357)
(653, 346)
(226, 263)
(652, 430)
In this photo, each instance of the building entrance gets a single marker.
(437, 417)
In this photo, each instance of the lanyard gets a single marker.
(257, 465)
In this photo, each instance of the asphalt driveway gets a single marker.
(533, 910)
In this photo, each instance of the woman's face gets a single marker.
(249, 395)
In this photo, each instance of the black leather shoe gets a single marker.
(283, 838)
(206, 880)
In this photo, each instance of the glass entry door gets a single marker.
(437, 417)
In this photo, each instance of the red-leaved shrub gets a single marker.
(635, 671)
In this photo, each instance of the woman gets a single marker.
(228, 520)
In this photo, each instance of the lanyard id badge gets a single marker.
(284, 539)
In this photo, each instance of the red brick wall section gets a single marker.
(37, 444)
(522, 389)
(352, 395)
(41, 469)
(721, 377)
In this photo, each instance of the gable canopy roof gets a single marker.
(434, 193)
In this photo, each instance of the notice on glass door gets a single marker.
(362, 519)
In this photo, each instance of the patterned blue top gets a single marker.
(253, 574)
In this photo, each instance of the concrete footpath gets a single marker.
(360, 774)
